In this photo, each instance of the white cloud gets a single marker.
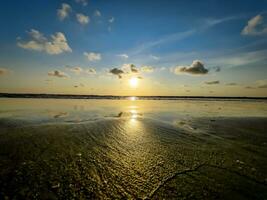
(97, 13)
(76, 70)
(90, 71)
(64, 11)
(111, 20)
(58, 74)
(239, 59)
(79, 70)
(255, 26)
(175, 37)
(91, 56)
(126, 67)
(129, 68)
(210, 22)
(125, 56)
(154, 57)
(196, 68)
(83, 2)
(163, 40)
(82, 19)
(147, 69)
(32, 45)
(56, 45)
(36, 35)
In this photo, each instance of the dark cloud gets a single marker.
(80, 85)
(261, 83)
(212, 82)
(58, 74)
(217, 69)
(127, 70)
(90, 71)
(117, 72)
(133, 68)
(231, 84)
(196, 68)
(263, 86)
(249, 87)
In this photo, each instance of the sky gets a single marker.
(135, 47)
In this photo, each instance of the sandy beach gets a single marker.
(133, 99)
(94, 151)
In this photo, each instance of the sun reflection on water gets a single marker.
(133, 98)
(134, 114)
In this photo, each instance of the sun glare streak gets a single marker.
(134, 115)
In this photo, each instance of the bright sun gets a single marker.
(133, 82)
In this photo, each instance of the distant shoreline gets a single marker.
(74, 96)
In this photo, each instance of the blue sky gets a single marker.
(177, 47)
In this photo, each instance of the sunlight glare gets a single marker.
(134, 115)
(132, 98)
(133, 82)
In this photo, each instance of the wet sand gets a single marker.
(130, 154)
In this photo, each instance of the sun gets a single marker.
(133, 82)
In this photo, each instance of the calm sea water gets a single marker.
(71, 110)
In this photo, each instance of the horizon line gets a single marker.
(109, 96)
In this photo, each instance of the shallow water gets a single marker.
(66, 110)
(106, 149)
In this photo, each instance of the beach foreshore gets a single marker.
(122, 157)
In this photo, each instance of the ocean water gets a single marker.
(133, 149)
